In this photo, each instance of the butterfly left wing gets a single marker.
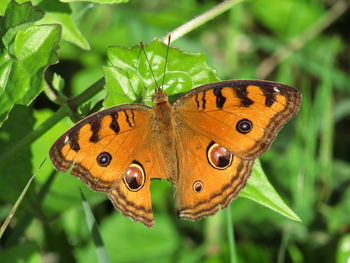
(135, 202)
(112, 151)
(98, 148)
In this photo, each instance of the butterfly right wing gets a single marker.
(210, 177)
(242, 115)
(222, 128)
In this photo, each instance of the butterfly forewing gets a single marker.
(243, 116)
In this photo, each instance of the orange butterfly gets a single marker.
(205, 143)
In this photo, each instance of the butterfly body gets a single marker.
(163, 124)
(205, 143)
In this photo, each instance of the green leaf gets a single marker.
(23, 66)
(98, 1)
(60, 13)
(260, 190)
(129, 78)
(3, 6)
(57, 83)
(343, 251)
(16, 15)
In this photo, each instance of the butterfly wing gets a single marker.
(202, 185)
(103, 147)
(243, 116)
(223, 127)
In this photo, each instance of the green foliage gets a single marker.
(130, 79)
(60, 13)
(308, 164)
(287, 18)
(27, 51)
(99, 1)
(261, 191)
(343, 252)
(102, 254)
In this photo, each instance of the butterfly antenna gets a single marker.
(166, 59)
(149, 64)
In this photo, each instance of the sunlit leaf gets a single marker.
(23, 65)
(343, 252)
(16, 15)
(60, 13)
(260, 190)
(129, 78)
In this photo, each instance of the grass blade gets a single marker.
(101, 251)
(18, 202)
(230, 236)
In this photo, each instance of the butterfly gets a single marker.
(205, 143)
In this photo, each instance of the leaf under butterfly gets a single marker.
(129, 76)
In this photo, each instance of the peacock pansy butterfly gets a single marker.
(205, 143)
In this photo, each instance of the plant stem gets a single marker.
(213, 233)
(50, 122)
(230, 236)
(200, 20)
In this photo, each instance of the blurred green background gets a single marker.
(301, 43)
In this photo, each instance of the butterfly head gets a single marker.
(159, 96)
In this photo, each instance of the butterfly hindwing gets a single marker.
(134, 200)
(209, 175)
